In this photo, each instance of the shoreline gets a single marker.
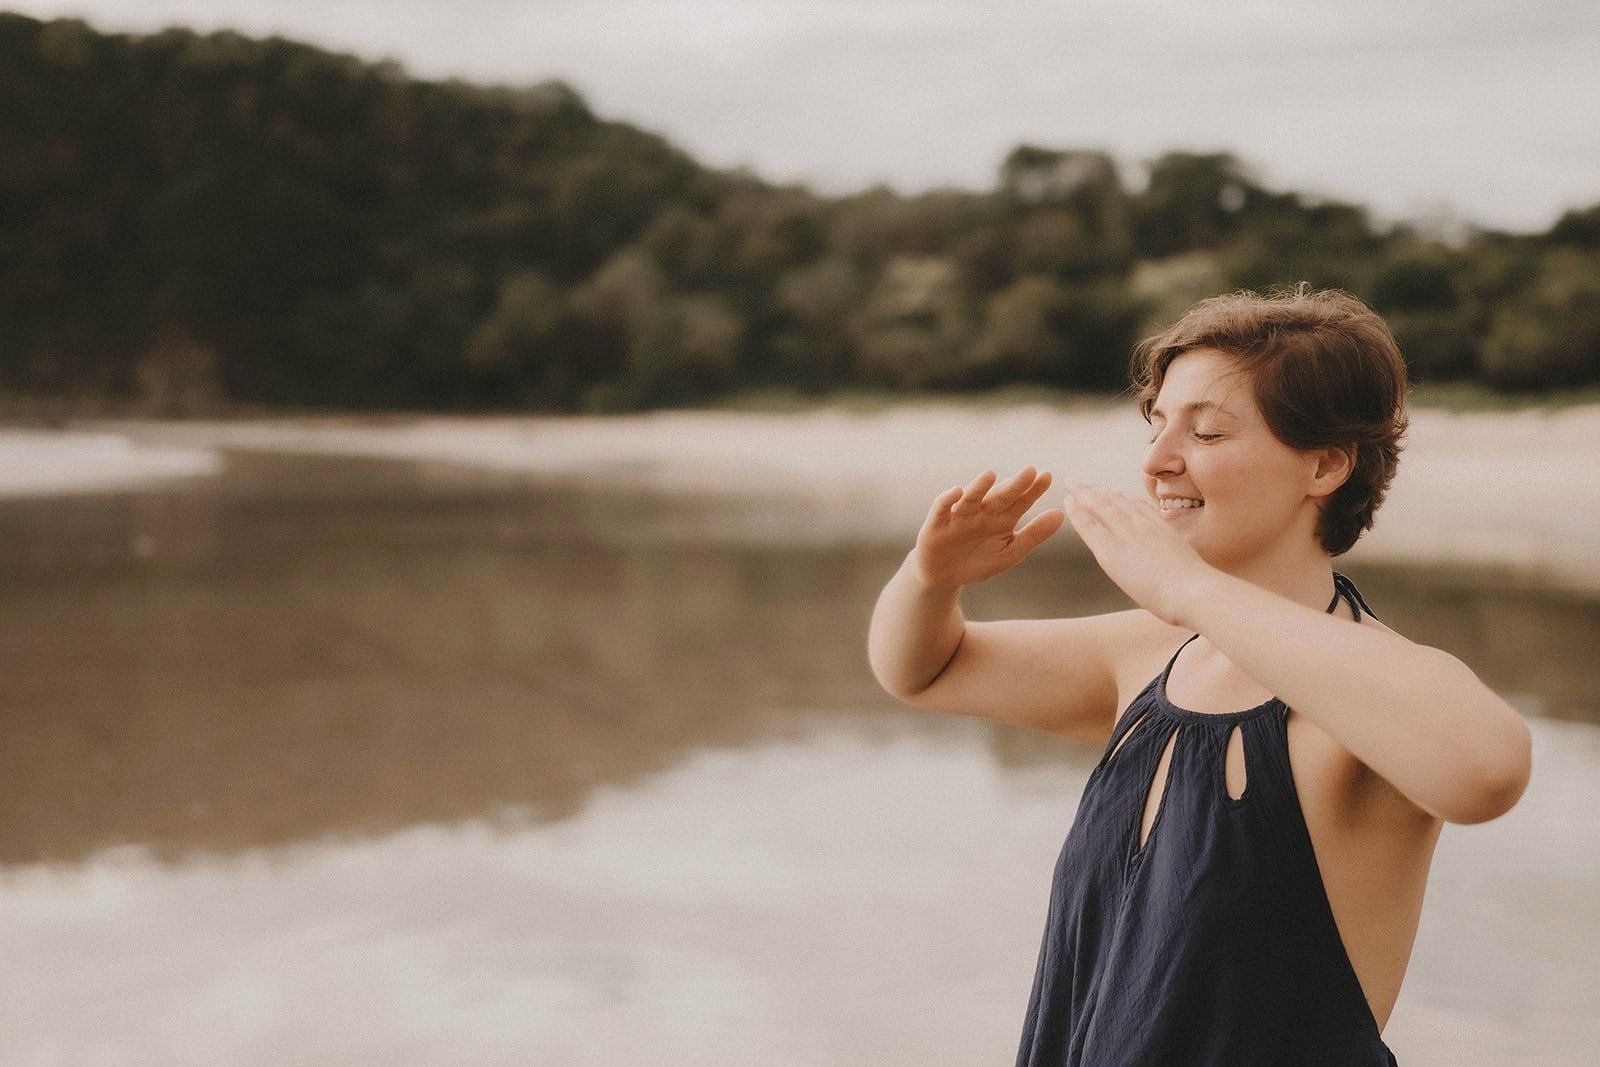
(1518, 491)
(49, 463)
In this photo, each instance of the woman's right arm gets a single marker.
(1057, 675)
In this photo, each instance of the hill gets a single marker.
(191, 222)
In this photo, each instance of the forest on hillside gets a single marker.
(194, 222)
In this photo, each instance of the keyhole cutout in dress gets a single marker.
(1128, 736)
(1158, 789)
(1233, 766)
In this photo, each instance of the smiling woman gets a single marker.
(1322, 373)
(1239, 886)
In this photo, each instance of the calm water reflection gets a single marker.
(341, 760)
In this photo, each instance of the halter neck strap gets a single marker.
(1345, 589)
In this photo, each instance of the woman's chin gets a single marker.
(1223, 556)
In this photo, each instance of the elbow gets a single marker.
(881, 661)
(897, 683)
(891, 663)
(895, 687)
(909, 695)
(1500, 781)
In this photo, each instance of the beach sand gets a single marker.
(57, 463)
(1518, 491)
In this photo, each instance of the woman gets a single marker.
(1239, 887)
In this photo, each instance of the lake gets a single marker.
(325, 760)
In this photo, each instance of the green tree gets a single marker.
(1073, 216)
(1191, 201)
(1550, 336)
(913, 325)
(1417, 287)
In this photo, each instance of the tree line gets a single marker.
(189, 222)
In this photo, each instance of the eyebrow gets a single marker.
(1192, 407)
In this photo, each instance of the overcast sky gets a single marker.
(1429, 109)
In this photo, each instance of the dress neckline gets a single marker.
(1178, 712)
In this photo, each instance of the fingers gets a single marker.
(1022, 488)
(1095, 505)
(1107, 517)
(1021, 492)
(1131, 508)
(972, 497)
(1080, 505)
(1038, 529)
(1106, 502)
(1013, 497)
(1004, 495)
(940, 512)
(1134, 509)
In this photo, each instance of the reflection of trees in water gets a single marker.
(296, 663)
(326, 688)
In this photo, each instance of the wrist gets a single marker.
(925, 583)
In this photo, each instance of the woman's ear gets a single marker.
(1334, 465)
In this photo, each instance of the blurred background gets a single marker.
(448, 454)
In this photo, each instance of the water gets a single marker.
(364, 762)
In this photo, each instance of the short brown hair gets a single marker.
(1325, 371)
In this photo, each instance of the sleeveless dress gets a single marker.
(1213, 944)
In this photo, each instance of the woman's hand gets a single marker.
(1137, 549)
(971, 532)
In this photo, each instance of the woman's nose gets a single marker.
(1162, 460)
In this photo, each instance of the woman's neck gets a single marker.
(1305, 576)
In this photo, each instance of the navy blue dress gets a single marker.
(1213, 944)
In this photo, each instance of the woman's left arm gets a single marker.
(1415, 715)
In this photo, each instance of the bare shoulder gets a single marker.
(1064, 676)
(1142, 653)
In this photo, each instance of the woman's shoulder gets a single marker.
(1139, 646)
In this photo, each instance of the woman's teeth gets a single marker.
(1172, 503)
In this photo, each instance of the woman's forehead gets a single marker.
(1204, 380)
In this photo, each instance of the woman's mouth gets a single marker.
(1180, 503)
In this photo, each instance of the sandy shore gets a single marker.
(54, 463)
(1517, 490)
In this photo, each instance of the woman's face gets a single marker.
(1235, 492)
